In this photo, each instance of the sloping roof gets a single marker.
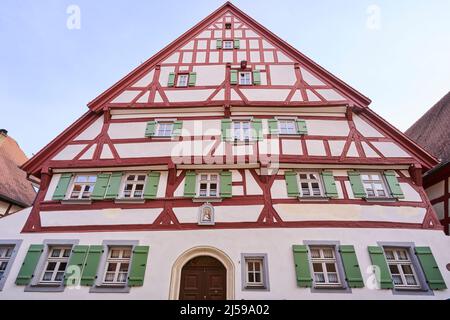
(432, 130)
(14, 185)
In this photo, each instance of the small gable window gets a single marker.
(245, 78)
(82, 187)
(287, 127)
(228, 44)
(183, 80)
(374, 185)
(227, 25)
(164, 129)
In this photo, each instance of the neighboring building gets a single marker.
(228, 165)
(432, 132)
(16, 191)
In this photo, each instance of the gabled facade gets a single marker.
(432, 131)
(229, 166)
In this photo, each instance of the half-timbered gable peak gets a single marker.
(229, 58)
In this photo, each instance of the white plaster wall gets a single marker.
(209, 75)
(279, 189)
(145, 80)
(336, 147)
(410, 193)
(369, 151)
(282, 74)
(348, 188)
(349, 212)
(69, 152)
(282, 57)
(310, 78)
(366, 129)
(266, 94)
(330, 94)
(92, 131)
(291, 147)
(188, 95)
(255, 56)
(89, 153)
(147, 149)
(352, 152)
(201, 127)
(106, 152)
(167, 246)
(126, 96)
(99, 217)
(327, 128)
(390, 150)
(436, 190)
(164, 75)
(315, 148)
(251, 185)
(161, 193)
(130, 130)
(172, 59)
(227, 56)
(269, 147)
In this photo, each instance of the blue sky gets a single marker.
(394, 51)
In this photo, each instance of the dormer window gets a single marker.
(183, 80)
(228, 44)
(245, 78)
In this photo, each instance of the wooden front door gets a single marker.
(203, 278)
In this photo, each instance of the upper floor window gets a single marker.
(117, 265)
(310, 184)
(164, 129)
(287, 127)
(245, 78)
(242, 130)
(208, 185)
(82, 187)
(402, 269)
(56, 264)
(374, 185)
(134, 185)
(228, 44)
(324, 267)
(5, 256)
(183, 80)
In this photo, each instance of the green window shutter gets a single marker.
(273, 126)
(91, 265)
(151, 128)
(192, 79)
(219, 44)
(256, 77)
(233, 76)
(138, 266)
(226, 129)
(430, 268)
(257, 129)
(28, 267)
(151, 186)
(225, 184)
(301, 127)
(100, 186)
(63, 185)
(189, 184)
(77, 259)
(171, 81)
(291, 183)
(302, 271)
(378, 259)
(177, 127)
(351, 267)
(237, 44)
(330, 184)
(112, 190)
(356, 183)
(394, 186)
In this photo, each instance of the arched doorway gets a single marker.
(201, 251)
(203, 278)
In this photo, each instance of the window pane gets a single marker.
(257, 266)
(109, 277)
(303, 176)
(112, 267)
(3, 266)
(319, 277)
(8, 252)
(257, 277)
(126, 254)
(66, 253)
(389, 254)
(315, 253)
(59, 276)
(402, 255)
(407, 269)
(51, 266)
(122, 277)
(123, 267)
(141, 178)
(328, 253)
(410, 280)
(47, 276)
(251, 277)
(62, 266)
(317, 267)
(331, 267)
(115, 253)
(250, 266)
(397, 280)
(333, 278)
(394, 269)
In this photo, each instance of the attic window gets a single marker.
(228, 44)
(227, 25)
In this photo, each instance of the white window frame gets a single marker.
(83, 186)
(324, 261)
(242, 137)
(287, 120)
(159, 124)
(58, 260)
(134, 183)
(310, 181)
(182, 76)
(230, 42)
(208, 183)
(374, 182)
(261, 272)
(399, 265)
(5, 259)
(118, 261)
(248, 77)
